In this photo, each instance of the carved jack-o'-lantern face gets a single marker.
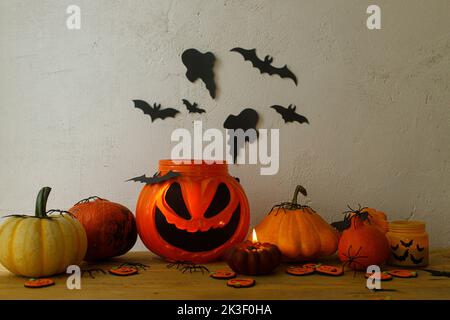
(194, 217)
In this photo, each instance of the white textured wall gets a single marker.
(378, 101)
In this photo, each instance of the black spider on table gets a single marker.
(92, 272)
(184, 266)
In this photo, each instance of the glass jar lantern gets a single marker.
(409, 244)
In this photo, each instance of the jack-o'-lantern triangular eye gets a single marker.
(219, 202)
(174, 198)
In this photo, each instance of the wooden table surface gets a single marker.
(161, 282)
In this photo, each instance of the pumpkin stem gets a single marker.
(298, 189)
(41, 202)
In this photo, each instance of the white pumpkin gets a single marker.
(41, 245)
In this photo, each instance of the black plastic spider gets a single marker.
(135, 264)
(89, 199)
(352, 259)
(184, 266)
(91, 272)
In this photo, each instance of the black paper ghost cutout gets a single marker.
(200, 65)
(247, 119)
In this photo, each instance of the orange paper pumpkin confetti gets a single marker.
(330, 270)
(401, 273)
(384, 276)
(299, 271)
(223, 274)
(311, 265)
(39, 283)
(241, 283)
(123, 271)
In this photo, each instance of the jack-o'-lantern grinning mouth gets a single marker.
(196, 241)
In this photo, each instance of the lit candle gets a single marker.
(254, 237)
(250, 257)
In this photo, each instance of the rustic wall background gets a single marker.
(378, 101)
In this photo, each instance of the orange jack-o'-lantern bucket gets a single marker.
(196, 216)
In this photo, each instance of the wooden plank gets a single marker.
(161, 282)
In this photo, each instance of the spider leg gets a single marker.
(349, 249)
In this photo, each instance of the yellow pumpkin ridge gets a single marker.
(10, 254)
(62, 262)
(43, 260)
(80, 239)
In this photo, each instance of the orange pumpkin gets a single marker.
(376, 218)
(373, 217)
(196, 216)
(362, 244)
(298, 231)
(110, 227)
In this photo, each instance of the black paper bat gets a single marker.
(342, 225)
(406, 244)
(192, 107)
(265, 66)
(395, 247)
(419, 248)
(157, 178)
(414, 260)
(437, 273)
(289, 114)
(402, 257)
(155, 112)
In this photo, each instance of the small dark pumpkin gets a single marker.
(110, 227)
(254, 258)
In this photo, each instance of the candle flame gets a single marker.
(254, 237)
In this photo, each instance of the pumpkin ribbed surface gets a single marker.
(41, 245)
(298, 231)
(35, 247)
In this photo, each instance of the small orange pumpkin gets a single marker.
(298, 231)
(377, 219)
(362, 244)
(110, 227)
(374, 217)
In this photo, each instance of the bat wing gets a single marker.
(167, 113)
(170, 175)
(299, 118)
(145, 107)
(406, 244)
(199, 110)
(187, 104)
(402, 257)
(156, 178)
(142, 179)
(284, 112)
(251, 56)
(414, 260)
(341, 225)
(283, 72)
(192, 108)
